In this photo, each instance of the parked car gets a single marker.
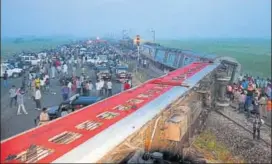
(73, 103)
(31, 60)
(103, 58)
(11, 70)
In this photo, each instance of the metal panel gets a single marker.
(171, 59)
(160, 55)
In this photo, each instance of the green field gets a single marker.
(253, 54)
(11, 46)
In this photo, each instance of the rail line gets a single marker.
(236, 123)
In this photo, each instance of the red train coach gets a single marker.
(48, 143)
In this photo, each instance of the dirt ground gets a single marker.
(222, 141)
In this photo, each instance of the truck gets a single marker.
(103, 72)
(11, 70)
(121, 73)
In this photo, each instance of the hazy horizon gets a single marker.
(176, 19)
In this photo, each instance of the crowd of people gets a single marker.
(253, 96)
(63, 67)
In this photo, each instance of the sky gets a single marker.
(172, 19)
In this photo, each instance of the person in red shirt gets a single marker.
(58, 66)
(126, 86)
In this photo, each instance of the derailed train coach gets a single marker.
(171, 58)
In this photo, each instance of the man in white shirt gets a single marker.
(12, 95)
(38, 97)
(97, 86)
(69, 85)
(109, 87)
(101, 85)
(241, 78)
(65, 69)
(46, 76)
(90, 87)
(42, 84)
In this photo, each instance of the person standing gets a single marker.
(82, 78)
(69, 85)
(83, 60)
(38, 97)
(97, 86)
(86, 88)
(30, 78)
(65, 92)
(126, 86)
(74, 69)
(122, 86)
(5, 79)
(102, 87)
(86, 58)
(249, 98)
(12, 95)
(78, 86)
(44, 117)
(65, 69)
(242, 99)
(90, 87)
(70, 63)
(229, 91)
(24, 81)
(20, 101)
(42, 84)
(47, 84)
(256, 126)
(53, 70)
(37, 82)
(83, 69)
(262, 102)
(58, 65)
(109, 87)
(256, 109)
(74, 86)
(130, 83)
(33, 88)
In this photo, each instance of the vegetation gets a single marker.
(213, 151)
(11, 46)
(253, 54)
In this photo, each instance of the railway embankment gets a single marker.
(228, 139)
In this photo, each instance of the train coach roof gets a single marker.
(53, 140)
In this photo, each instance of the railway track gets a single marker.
(238, 124)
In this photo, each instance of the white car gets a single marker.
(95, 60)
(31, 60)
(103, 58)
(42, 55)
(11, 71)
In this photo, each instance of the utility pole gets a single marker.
(154, 35)
(138, 51)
